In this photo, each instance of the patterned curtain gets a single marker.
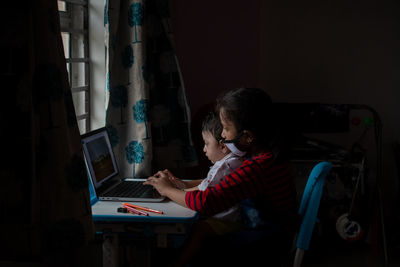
(147, 110)
(44, 196)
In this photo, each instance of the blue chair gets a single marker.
(309, 208)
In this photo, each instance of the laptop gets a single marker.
(103, 172)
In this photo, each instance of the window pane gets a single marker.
(65, 39)
(62, 6)
(74, 32)
(77, 74)
(77, 45)
(82, 126)
(79, 103)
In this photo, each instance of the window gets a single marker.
(75, 36)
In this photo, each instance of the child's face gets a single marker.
(214, 150)
(229, 130)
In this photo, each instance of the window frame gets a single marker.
(74, 24)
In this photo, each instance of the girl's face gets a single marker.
(214, 150)
(229, 130)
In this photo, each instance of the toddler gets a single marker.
(224, 163)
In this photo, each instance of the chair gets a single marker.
(309, 208)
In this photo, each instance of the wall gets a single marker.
(301, 51)
(337, 52)
(217, 44)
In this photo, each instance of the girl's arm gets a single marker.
(180, 184)
(184, 185)
(162, 183)
(192, 184)
(174, 194)
(191, 188)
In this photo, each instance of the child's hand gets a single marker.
(160, 182)
(178, 183)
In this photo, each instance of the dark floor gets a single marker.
(341, 253)
(348, 255)
(325, 251)
(345, 254)
(328, 249)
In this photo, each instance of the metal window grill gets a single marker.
(74, 31)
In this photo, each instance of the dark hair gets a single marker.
(250, 109)
(212, 124)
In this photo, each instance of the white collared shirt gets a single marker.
(216, 174)
(220, 169)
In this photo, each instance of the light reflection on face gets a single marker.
(212, 148)
(229, 130)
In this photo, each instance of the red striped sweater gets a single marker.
(259, 177)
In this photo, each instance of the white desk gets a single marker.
(160, 230)
(106, 211)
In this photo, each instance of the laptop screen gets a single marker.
(99, 156)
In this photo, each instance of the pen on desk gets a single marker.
(138, 212)
(142, 208)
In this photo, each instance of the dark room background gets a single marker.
(336, 52)
(332, 51)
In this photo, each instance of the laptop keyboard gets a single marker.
(130, 189)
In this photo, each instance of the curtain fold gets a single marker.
(148, 116)
(44, 200)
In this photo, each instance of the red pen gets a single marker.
(141, 208)
(135, 211)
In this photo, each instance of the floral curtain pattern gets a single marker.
(44, 193)
(147, 111)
